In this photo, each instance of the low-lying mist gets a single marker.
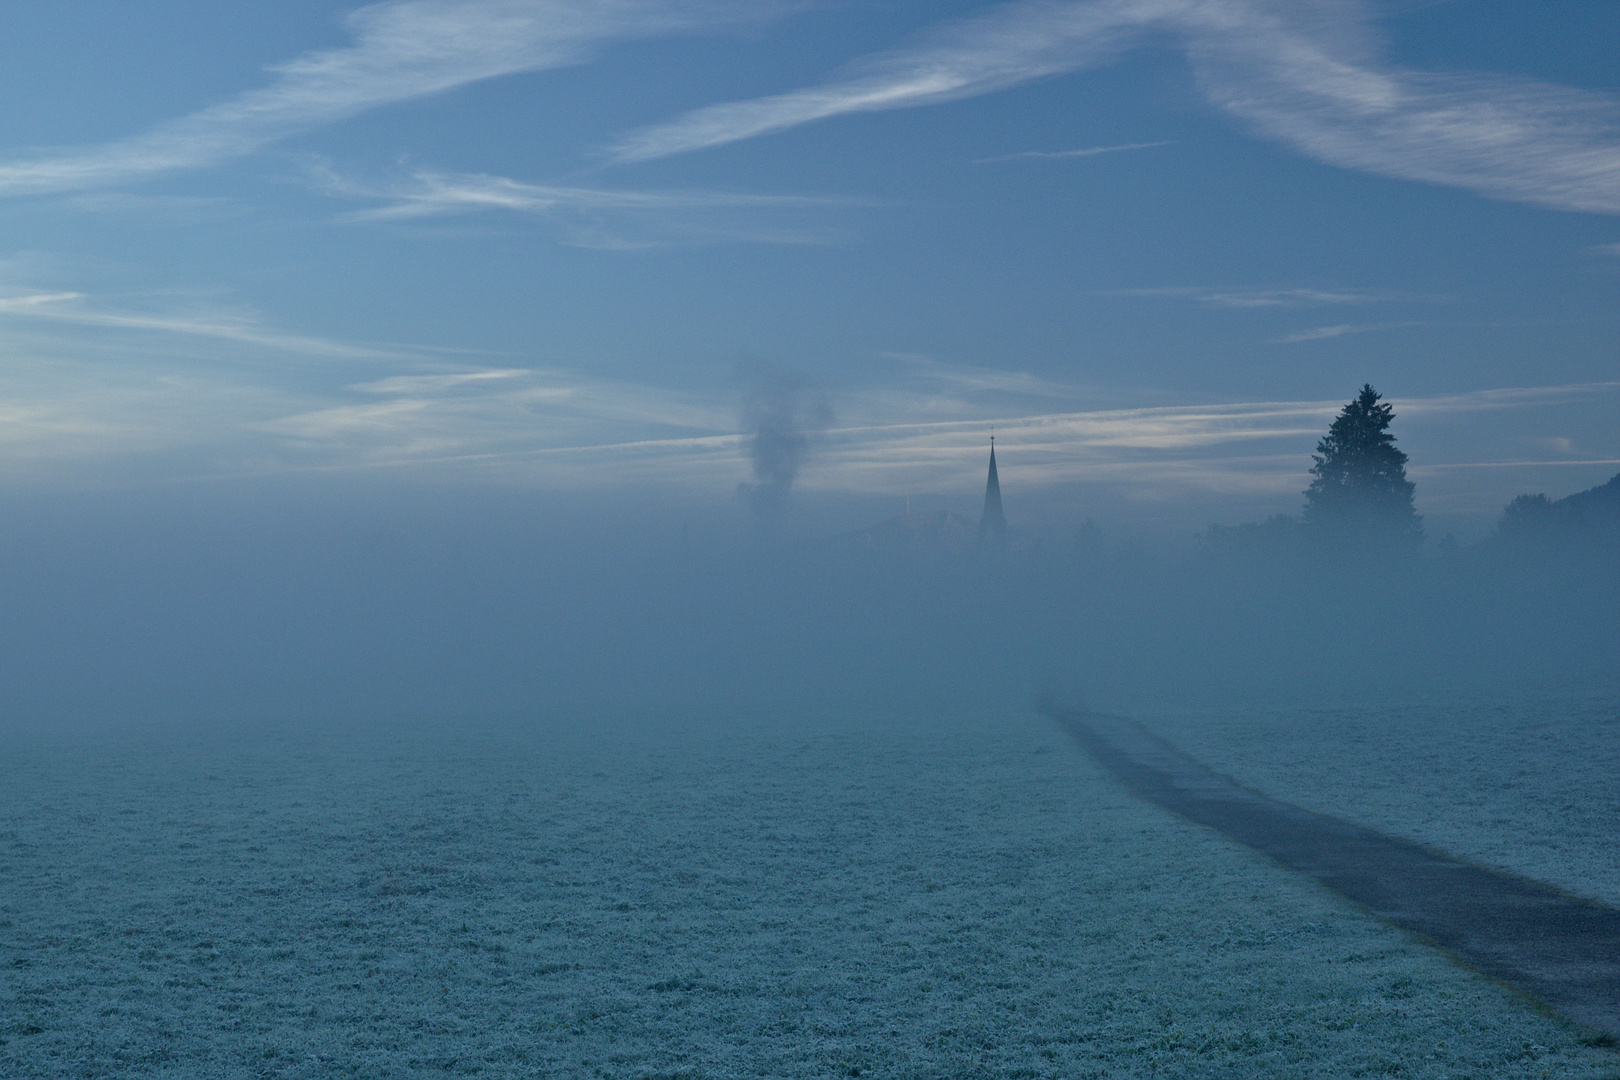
(354, 601)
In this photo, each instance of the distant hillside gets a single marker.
(1591, 514)
(1598, 503)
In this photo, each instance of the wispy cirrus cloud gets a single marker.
(963, 381)
(110, 395)
(1256, 298)
(1258, 449)
(403, 49)
(78, 309)
(1305, 75)
(1512, 397)
(154, 209)
(1323, 333)
(1003, 48)
(591, 215)
(487, 416)
(145, 414)
(1083, 152)
(540, 423)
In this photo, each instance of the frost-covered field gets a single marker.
(892, 896)
(1525, 783)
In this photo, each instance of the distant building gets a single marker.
(993, 523)
(941, 531)
(936, 533)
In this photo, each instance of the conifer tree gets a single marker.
(1360, 489)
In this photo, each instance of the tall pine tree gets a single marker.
(1360, 490)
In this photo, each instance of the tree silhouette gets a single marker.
(1360, 490)
(1525, 514)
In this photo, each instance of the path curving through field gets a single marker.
(1560, 949)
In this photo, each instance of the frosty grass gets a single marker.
(890, 896)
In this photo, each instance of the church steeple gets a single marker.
(994, 523)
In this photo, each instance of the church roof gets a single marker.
(993, 521)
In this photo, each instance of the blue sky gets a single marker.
(1154, 243)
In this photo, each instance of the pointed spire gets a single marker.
(993, 523)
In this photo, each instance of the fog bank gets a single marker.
(351, 601)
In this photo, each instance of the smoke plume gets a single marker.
(781, 418)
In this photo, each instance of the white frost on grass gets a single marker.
(886, 896)
(1524, 783)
